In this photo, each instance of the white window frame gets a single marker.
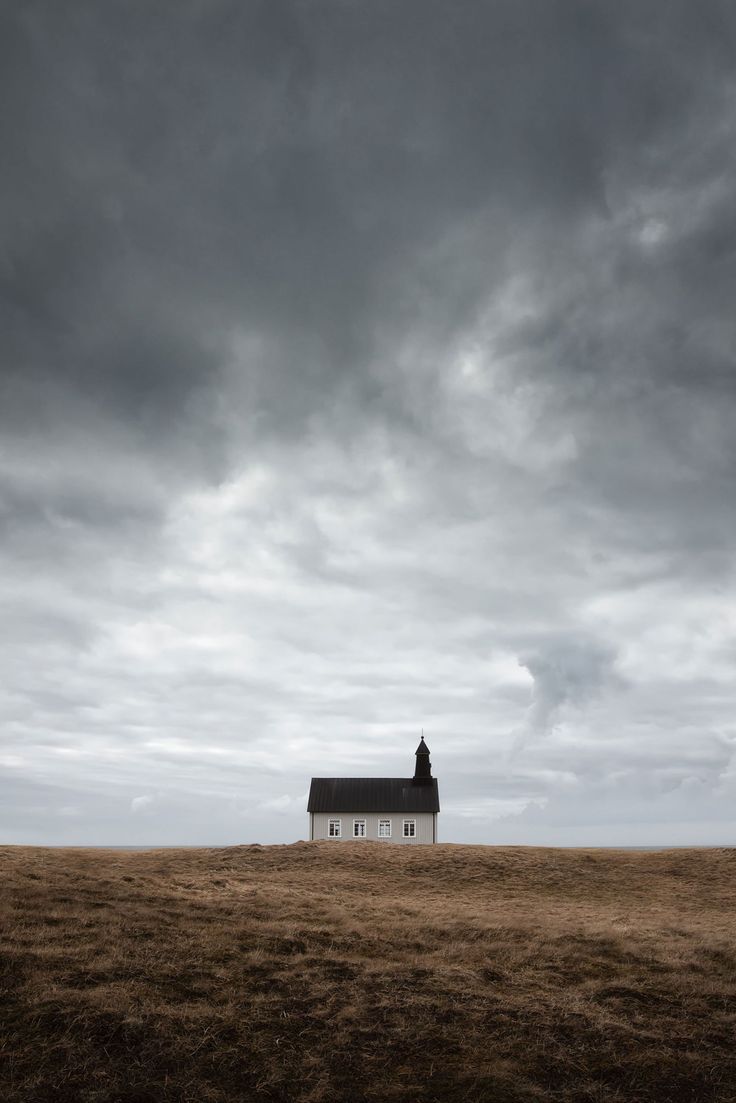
(334, 834)
(357, 834)
(410, 829)
(384, 834)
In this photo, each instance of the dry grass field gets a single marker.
(342, 973)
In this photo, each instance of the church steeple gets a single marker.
(423, 769)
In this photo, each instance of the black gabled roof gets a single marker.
(372, 794)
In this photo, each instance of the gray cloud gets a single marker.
(367, 368)
(565, 672)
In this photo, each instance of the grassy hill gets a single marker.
(347, 972)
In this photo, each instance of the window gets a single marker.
(384, 829)
(334, 829)
(358, 829)
(410, 829)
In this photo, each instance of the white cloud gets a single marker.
(142, 803)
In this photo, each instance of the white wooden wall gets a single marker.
(426, 832)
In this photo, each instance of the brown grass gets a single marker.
(336, 972)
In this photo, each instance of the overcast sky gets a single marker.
(368, 367)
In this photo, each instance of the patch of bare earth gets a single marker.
(335, 972)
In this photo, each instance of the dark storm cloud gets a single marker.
(287, 167)
(364, 363)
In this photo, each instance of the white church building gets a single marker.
(386, 809)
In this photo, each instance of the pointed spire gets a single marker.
(423, 769)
